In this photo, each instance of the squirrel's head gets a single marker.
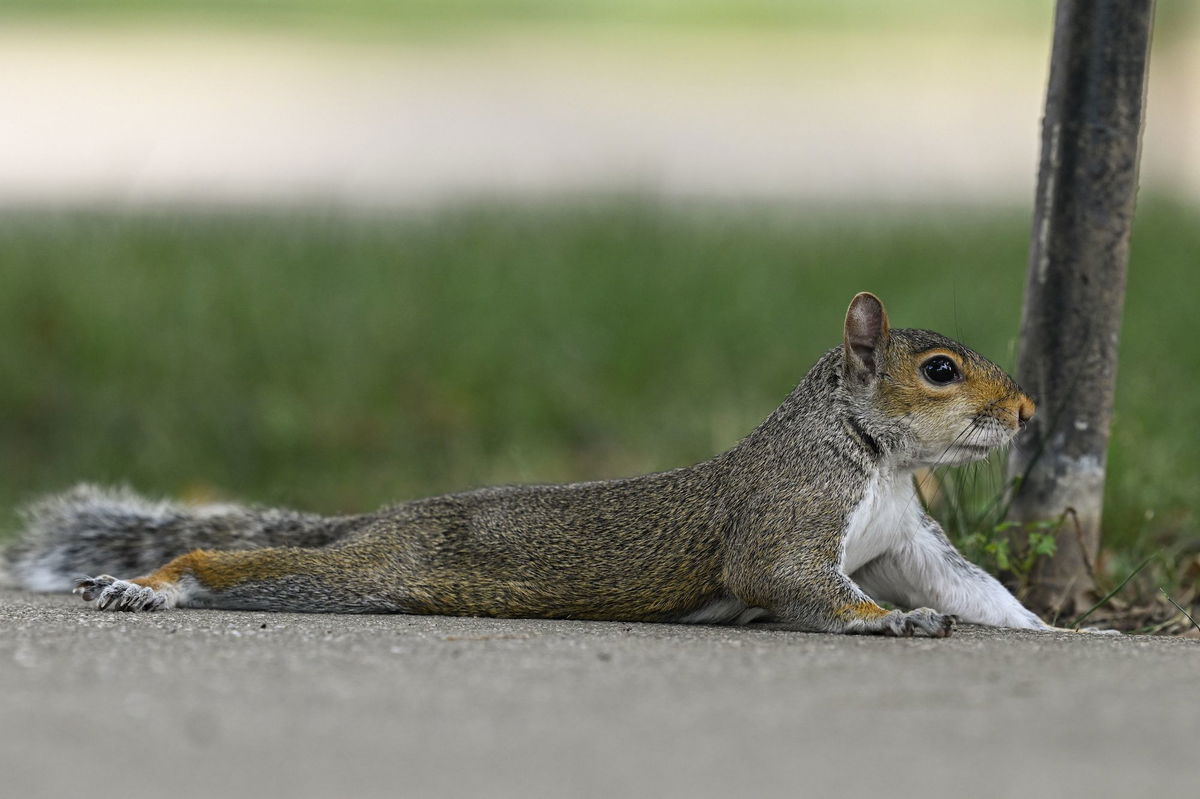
(943, 402)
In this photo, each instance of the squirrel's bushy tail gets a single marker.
(92, 530)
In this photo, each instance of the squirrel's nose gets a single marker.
(1025, 411)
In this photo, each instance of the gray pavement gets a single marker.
(202, 703)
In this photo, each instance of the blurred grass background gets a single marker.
(459, 13)
(339, 362)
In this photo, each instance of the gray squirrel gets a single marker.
(809, 521)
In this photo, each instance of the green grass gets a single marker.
(390, 16)
(338, 363)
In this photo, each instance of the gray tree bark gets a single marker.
(1087, 184)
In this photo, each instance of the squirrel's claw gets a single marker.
(109, 593)
(925, 621)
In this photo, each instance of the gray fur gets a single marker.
(93, 530)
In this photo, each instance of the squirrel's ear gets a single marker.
(866, 336)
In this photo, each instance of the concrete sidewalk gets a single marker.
(203, 703)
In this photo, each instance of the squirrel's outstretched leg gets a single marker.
(835, 604)
(926, 569)
(310, 580)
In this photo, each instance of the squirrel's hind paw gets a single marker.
(109, 593)
(1086, 630)
(924, 621)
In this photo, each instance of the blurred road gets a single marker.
(207, 703)
(143, 116)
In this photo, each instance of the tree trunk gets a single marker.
(1087, 183)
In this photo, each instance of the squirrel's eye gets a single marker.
(939, 369)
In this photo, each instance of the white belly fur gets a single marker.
(888, 514)
(727, 610)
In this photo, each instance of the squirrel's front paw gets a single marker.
(110, 593)
(925, 621)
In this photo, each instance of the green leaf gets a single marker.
(1043, 544)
